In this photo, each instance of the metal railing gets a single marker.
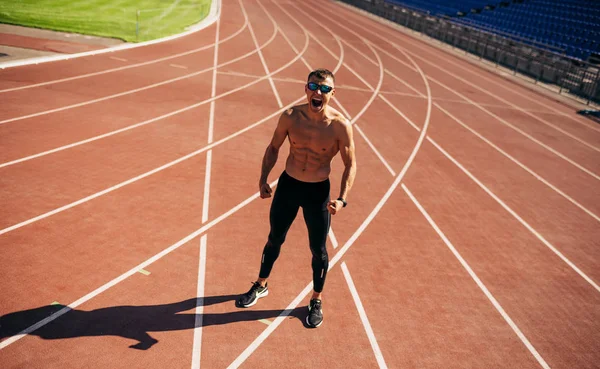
(562, 74)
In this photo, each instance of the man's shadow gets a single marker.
(132, 322)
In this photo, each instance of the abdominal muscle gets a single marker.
(308, 166)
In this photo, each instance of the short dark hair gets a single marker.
(321, 73)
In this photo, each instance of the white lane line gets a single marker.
(197, 342)
(265, 334)
(478, 281)
(385, 25)
(238, 74)
(555, 152)
(400, 113)
(196, 348)
(332, 238)
(193, 51)
(178, 66)
(455, 101)
(262, 58)
(484, 90)
(508, 104)
(129, 92)
(110, 57)
(144, 175)
(162, 116)
(527, 169)
(516, 216)
(131, 272)
(497, 199)
(385, 163)
(377, 153)
(363, 317)
(213, 14)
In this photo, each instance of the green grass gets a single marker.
(129, 20)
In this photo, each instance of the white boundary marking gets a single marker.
(153, 61)
(189, 107)
(499, 201)
(147, 87)
(397, 47)
(213, 14)
(135, 179)
(262, 58)
(386, 25)
(516, 216)
(197, 342)
(385, 163)
(332, 238)
(479, 283)
(527, 169)
(363, 317)
(129, 273)
(534, 174)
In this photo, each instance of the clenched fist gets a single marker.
(334, 206)
(265, 190)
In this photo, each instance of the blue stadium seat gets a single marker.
(572, 25)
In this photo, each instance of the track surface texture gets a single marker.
(131, 219)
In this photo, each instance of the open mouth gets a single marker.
(316, 103)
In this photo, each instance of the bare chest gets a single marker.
(320, 140)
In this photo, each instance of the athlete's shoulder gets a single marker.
(295, 111)
(338, 118)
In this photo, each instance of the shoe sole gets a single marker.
(258, 296)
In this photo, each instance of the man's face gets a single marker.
(318, 99)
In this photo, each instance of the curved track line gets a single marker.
(131, 180)
(555, 152)
(508, 104)
(173, 247)
(254, 345)
(262, 58)
(56, 81)
(501, 203)
(527, 169)
(189, 107)
(213, 15)
(132, 271)
(135, 179)
(129, 92)
(388, 24)
(516, 216)
(478, 281)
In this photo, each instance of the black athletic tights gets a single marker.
(290, 195)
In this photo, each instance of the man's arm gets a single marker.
(272, 152)
(346, 143)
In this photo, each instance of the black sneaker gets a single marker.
(249, 298)
(315, 313)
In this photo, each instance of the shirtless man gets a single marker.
(316, 133)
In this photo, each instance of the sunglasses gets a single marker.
(324, 88)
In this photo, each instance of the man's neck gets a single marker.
(317, 117)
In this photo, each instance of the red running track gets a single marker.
(131, 222)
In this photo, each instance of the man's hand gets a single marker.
(334, 206)
(265, 190)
